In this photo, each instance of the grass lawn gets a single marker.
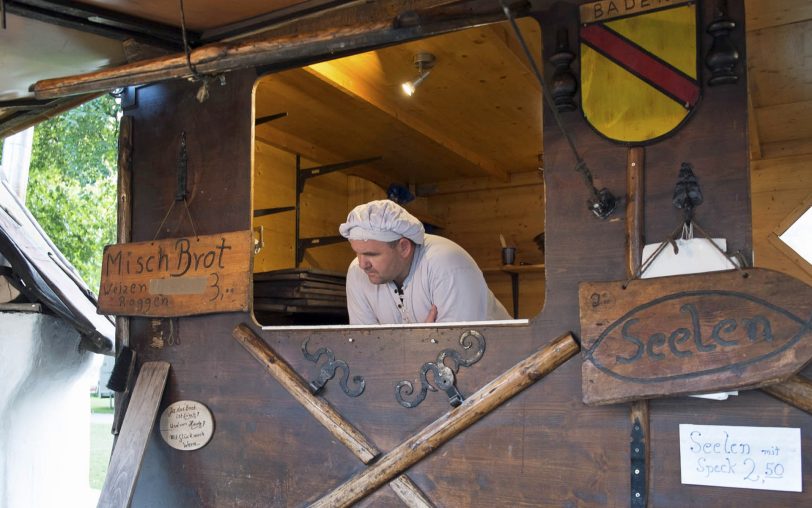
(101, 441)
(101, 405)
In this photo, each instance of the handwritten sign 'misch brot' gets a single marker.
(178, 276)
(692, 334)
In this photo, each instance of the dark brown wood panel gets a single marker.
(542, 448)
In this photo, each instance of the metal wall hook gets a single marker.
(443, 374)
(328, 371)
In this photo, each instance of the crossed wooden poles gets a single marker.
(389, 467)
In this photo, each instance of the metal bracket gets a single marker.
(444, 375)
(638, 463)
(271, 211)
(328, 371)
(183, 158)
(269, 118)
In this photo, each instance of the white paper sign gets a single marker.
(186, 425)
(766, 458)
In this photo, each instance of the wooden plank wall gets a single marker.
(780, 131)
(476, 211)
(543, 448)
(323, 207)
(779, 185)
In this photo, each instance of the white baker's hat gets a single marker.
(383, 220)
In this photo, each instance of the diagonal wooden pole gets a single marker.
(485, 400)
(341, 429)
(796, 391)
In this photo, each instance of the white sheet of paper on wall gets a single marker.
(764, 458)
(694, 255)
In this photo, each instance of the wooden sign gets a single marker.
(178, 276)
(186, 425)
(692, 334)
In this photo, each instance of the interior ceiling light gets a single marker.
(424, 63)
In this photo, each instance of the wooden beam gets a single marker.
(21, 120)
(320, 38)
(100, 21)
(357, 88)
(752, 125)
(635, 206)
(796, 391)
(123, 235)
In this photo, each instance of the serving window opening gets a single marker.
(461, 152)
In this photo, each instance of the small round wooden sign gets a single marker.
(186, 425)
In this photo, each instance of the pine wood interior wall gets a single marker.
(476, 211)
(544, 448)
(780, 132)
(513, 209)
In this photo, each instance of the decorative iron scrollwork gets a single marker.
(328, 371)
(444, 374)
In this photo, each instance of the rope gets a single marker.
(188, 214)
(203, 93)
(155, 237)
(196, 76)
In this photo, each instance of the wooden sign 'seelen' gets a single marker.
(178, 276)
(692, 334)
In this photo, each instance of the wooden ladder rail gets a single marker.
(128, 455)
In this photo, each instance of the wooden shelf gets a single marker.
(515, 269)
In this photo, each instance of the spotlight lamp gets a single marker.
(424, 63)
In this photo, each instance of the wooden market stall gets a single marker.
(470, 136)
(238, 179)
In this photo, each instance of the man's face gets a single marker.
(383, 262)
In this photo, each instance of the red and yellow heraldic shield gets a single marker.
(639, 67)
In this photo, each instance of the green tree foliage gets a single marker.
(72, 182)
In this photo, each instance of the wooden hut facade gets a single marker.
(238, 162)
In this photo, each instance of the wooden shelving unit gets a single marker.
(515, 269)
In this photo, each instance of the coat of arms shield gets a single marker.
(639, 67)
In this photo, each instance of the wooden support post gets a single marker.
(485, 400)
(123, 235)
(796, 391)
(635, 201)
(639, 449)
(125, 464)
(339, 427)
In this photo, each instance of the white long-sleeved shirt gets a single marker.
(442, 273)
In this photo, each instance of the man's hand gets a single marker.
(432, 317)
